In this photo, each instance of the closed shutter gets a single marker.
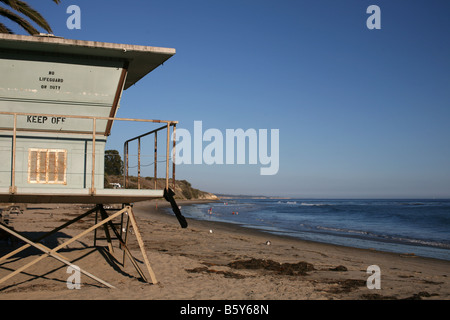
(47, 166)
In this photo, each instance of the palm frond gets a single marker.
(19, 20)
(5, 29)
(33, 15)
(11, 3)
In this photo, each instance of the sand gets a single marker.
(211, 261)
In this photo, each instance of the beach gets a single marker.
(212, 261)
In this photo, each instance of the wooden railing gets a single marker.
(93, 134)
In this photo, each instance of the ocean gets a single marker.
(420, 227)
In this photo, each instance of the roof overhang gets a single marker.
(141, 59)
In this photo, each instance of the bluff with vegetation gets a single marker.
(114, 178)
(183, 189)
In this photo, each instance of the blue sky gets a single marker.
(362, 113)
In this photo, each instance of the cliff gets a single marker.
(183, 189)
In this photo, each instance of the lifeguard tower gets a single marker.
(58, 103)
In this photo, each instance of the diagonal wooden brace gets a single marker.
(25, 246)
(58, 247)
(141, 244)
(47, 252)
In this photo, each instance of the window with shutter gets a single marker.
(47, 166)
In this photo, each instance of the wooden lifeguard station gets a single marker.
(58, 103)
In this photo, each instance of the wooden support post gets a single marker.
(124, 246)
(104, 215)
(141, 244)
(127, 231)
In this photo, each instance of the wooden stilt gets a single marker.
(141, 244)
(125, 248)
(104, 215)
(126, 231)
